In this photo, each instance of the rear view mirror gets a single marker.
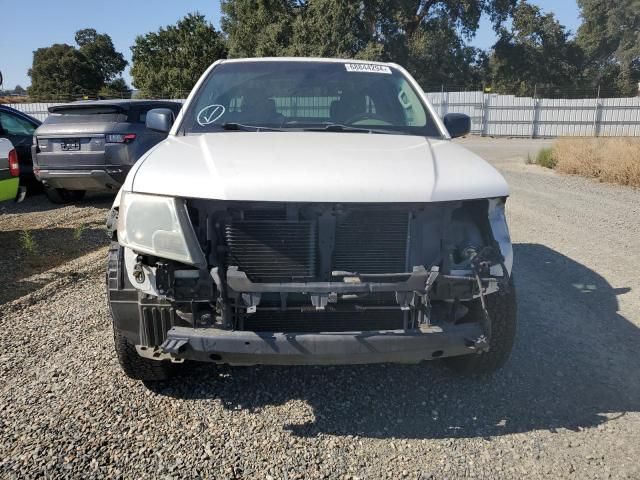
(458, 124)
(160, 120)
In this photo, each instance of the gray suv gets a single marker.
(91, 145)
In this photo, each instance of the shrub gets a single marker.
(78, 231)
(546, 158)
(28, 242)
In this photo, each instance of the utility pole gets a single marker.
(534, 113)
(595, 113)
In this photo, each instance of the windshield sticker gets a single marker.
(210, 114)
(367, 67)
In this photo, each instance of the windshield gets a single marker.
(286, 95)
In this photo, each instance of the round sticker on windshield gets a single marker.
(210, 114)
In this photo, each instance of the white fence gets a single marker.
(36, 110)
(510, 116)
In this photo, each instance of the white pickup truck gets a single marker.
(310, 211)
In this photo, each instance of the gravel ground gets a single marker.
(57, 236)
(566, 406)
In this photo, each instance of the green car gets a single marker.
(9, 173)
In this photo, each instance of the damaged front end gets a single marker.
(265, 282)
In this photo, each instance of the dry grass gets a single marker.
(614, 160)
(10, 99)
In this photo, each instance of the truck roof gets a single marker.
(306, 59)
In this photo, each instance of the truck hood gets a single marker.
(314, 167)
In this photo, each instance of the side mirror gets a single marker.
(160, 120)
(458, 124)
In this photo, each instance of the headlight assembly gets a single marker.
(498, 222)
(158, 226)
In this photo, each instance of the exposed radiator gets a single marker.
(372, 241)
(272, 251)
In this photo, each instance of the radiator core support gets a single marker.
(281, 261)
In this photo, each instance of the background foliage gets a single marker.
(169, 62)
(67, 72)
(533, 51)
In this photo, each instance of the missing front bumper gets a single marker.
(344, 348)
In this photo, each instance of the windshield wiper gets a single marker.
(336, 127)
(247, 128)
(332, 127)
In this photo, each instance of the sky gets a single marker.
(46, 22)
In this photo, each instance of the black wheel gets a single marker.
(62, 195)
(503, 311)
(137, 367)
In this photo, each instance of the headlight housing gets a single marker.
(158, 226)
(500, 229)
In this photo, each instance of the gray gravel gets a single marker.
(566, 406)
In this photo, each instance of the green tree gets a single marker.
(536, 50)
(116, 88)
(330, 28)
(437, 56)
(609, 35)
(425, 35)
(66, 72)
(170, 61)
(258, 28)
(19, 90)
(62, 71)
(100, 52)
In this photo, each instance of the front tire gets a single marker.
(137, 367)
(503, 311)
(63, 196)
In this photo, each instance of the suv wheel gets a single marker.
(62, 195)
(503, 312)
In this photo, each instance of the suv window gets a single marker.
(139, 114)
(86, 114)
(308, 95)
(14, 125)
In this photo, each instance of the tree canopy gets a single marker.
(64, 71)
(170, 61)
(429, 37)
(610, 37)
(99, 50)
(425, 35)
(116, 88)
(536, 50)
